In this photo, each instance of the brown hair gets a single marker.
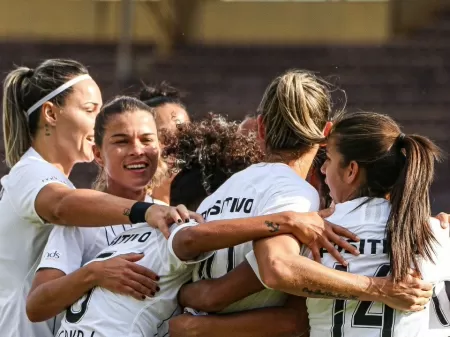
(398, 166)
(159, 95)
(22, 88)
(295, 108)
(117, 106)
(206, 154)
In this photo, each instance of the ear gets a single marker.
(327, 128)
(97, 155)
(49, 111)
(352, 172)
(261, 128)
(326, 131)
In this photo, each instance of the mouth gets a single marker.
(138, 166)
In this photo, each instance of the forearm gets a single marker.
(51, 298)
(192, 241)
(216, 294)
(89, 208)
(270, 322)
(301, 276)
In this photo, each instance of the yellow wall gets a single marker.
(293, 22)
(215, 22)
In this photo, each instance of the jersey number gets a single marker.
(73, 316)
(442, 317)
(361, 317)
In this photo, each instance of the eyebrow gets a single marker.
(125, 135)
(91, 103)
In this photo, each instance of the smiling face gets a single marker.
(74, 124)
(130, 150)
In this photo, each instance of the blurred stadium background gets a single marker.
(390, 56)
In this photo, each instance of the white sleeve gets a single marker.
(251, 259)
(64, 249)
(288, 197)
(25, 182)
(174, 260)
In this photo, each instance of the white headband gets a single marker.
(57, 91)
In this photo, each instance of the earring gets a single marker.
(47, 130)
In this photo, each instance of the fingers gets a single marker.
(416, 308)
(143, 271)
(333, 251)
(140, 288)
(174, 215)
(132, 257)
(444, 219)
(315, 253)
(341, 231)
(133, 293)
(343, 243)
(197, 217)
(414, 273)
(183, 212)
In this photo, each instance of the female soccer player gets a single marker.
(127, 151)
(292, 122)
(379, 179)
(48, 126)
(170, 112)
(213, 151)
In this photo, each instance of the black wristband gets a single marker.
(137, 211)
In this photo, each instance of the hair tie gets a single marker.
(401, 137)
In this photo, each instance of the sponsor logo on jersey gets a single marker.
(230, 204)
(52, 255)
(365, 246)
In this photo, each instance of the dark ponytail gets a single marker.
(408, 230)
(398, 167)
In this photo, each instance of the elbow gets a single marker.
(184, 245)
(34, 314)
(275, 273)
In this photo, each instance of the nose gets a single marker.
(137, 148)
(323, 168)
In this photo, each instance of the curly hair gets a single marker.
(205, 154)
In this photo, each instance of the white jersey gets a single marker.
(339, 318)
(23, 235)
(258, 190)
(101, 313)
(68, 247)
(440, 306)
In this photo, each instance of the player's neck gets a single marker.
(46, 148)
(299, 164)
(162, 192)
(124, 192)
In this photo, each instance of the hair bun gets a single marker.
(161, 90)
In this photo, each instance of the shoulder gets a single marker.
(31, 170)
